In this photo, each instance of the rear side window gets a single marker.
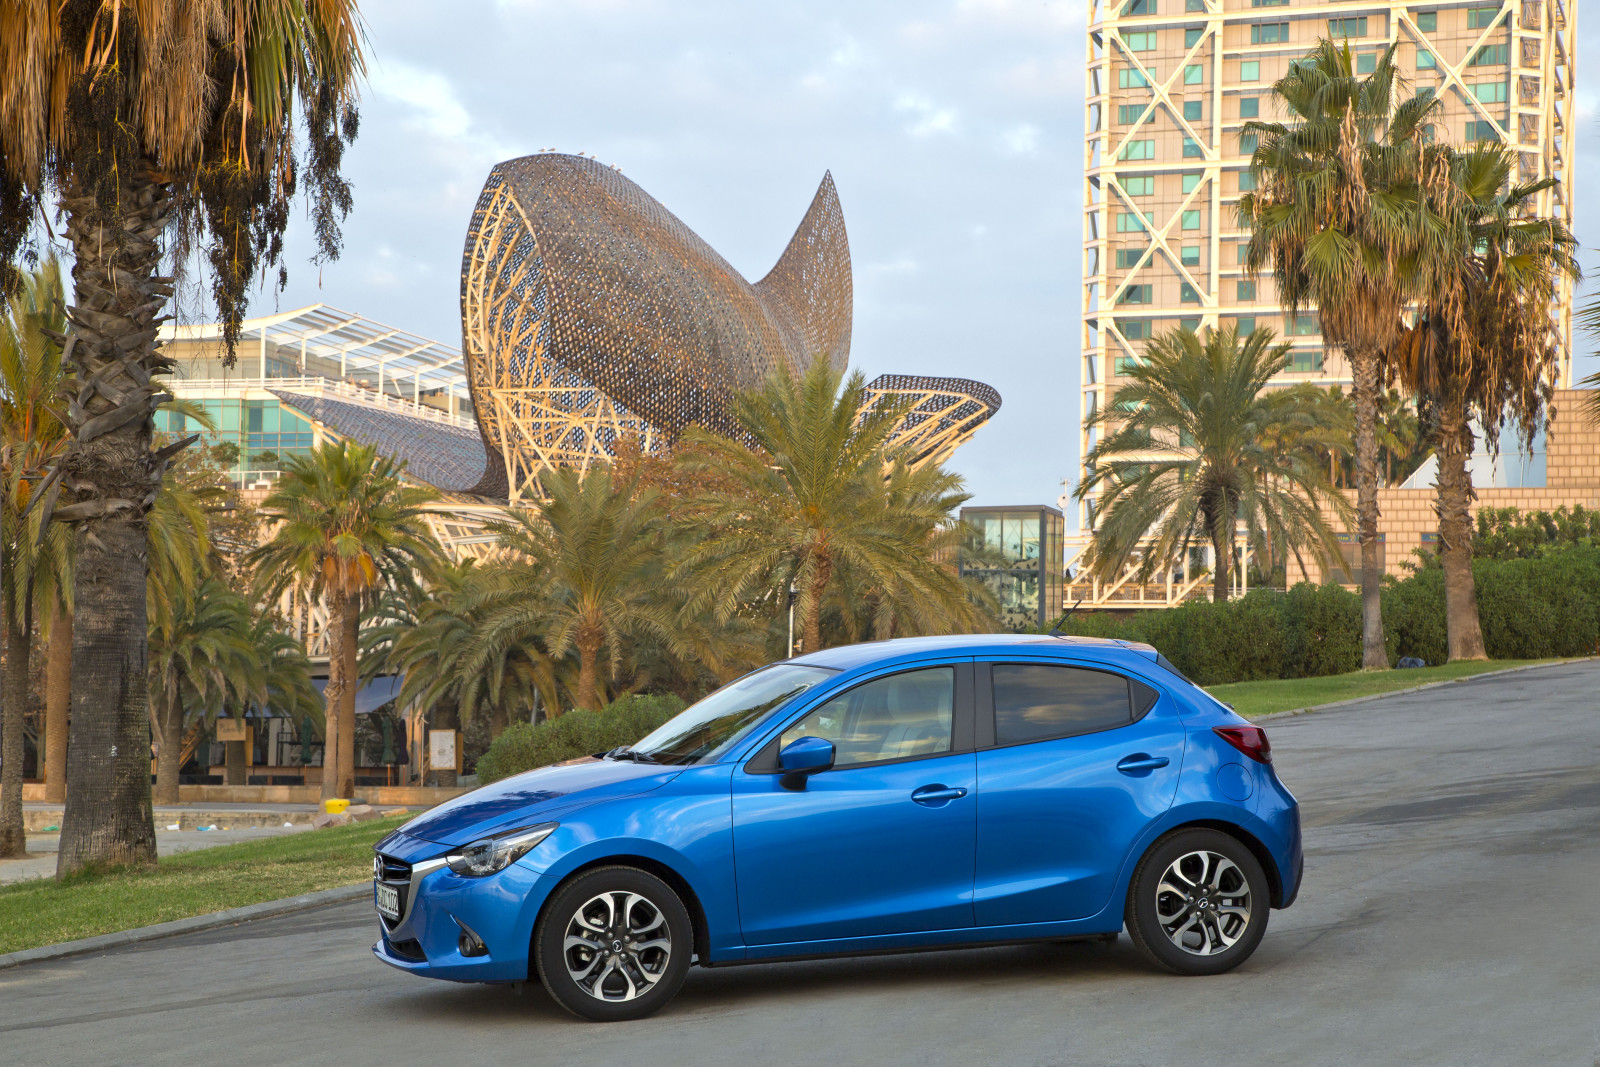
(1035, 701)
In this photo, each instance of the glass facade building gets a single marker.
(1017, 552)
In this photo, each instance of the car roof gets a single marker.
(846, 657)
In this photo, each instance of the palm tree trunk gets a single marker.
(588, 668)
(111, 477)
(333, 698)
(13, 836)
(819, 588)
(1454, 505)
(1222, 545)
(57, 705)
(347, 702)
(170, 755)
(1364, 365)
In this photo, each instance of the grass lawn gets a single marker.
(42, 912)
(1251, 699)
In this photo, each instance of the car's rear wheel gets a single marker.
(1198, 903)
(613, 944)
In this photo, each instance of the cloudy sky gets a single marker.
(952, 127)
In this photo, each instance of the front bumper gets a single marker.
(436, 903)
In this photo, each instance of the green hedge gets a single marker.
(1530, 609)
(577, 733)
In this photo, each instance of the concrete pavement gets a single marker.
(1448, 917)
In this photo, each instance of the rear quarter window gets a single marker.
(1036, 701)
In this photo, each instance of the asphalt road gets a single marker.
(1451, 915)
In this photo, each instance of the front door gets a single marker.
(1073, 763)
(880, 844)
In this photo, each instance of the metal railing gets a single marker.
(318, 386)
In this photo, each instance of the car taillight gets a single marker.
(1251, 740)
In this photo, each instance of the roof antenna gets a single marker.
(1055, 631)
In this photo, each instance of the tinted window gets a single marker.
(704, 732)
(1033, 701)
(896, 717)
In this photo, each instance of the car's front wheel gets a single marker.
(613, 944)
(1198, 903)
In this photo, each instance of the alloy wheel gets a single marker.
(1203, 903)
(617, 946)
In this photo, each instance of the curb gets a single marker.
(1403, 692)
(266, 909)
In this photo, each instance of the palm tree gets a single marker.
(1330, 221)
(586, 574)
(345, 523)
(805, 498)
(170, 128)
(1486, 347)
(1197, 443)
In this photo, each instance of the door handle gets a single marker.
(935, 795)
(1140, 763)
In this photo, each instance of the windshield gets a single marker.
(704, 732)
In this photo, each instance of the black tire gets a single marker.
(628, 977)
(1215, 937)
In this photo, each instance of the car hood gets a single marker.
(534, 796)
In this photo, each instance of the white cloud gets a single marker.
(927, 118)
(1021, 140)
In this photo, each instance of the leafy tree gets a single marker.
(1196, 443)
(1487, 346)
(811, 496)
(1330, 220)
(165, 129)
(345, 524)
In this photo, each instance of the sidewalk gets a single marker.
(41, 859)
(40, 817)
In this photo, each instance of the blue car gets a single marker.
(927, 793)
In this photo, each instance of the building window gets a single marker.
(1247, 143)
(1425, 60)
(1132, 78)
(1244, 253)
(1141, 42)
(1247, 181)
(1428, 134)
(1305, 326)
(1189, 255)
(1192, 111)
(1194, 5)
(1191, 36)
(1250, 70)
(1481, 130)
(1191, 149)
(1479, 18)
(1269, 3)
(1139, 7)
(1490, 55)
(1244, 292)
(1366, 62)
(1134, 150)
(1194, 74)
(1489, 92)
(1133, 329)
(1128, 258)
(1186, 294)
(1191, 182)
(1428, 21)
(1191, 220)
(1270, 33)
(1307, 361)
(1123, 366)
(1356, 27)
(1128, 114)
(1249, 107)
(1192, 325)
(1133, 222)
(1139, 185)
(1246, 325)
(1137, 294)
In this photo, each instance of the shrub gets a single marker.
(1545, 606)
(577, 733)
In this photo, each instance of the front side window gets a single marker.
(898, 717)
(1036, 701)
(704, 732)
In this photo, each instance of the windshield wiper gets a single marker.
(623, 752)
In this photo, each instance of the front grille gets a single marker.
(408, 950)
(389, 869)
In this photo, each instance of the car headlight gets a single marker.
(490, 854)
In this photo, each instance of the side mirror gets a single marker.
(800, 759)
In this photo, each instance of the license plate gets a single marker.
(388, 900)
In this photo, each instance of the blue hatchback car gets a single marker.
(927, 793)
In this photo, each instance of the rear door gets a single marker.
(1073, 762)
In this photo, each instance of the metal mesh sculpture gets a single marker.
(944, 413)
(589, 311)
